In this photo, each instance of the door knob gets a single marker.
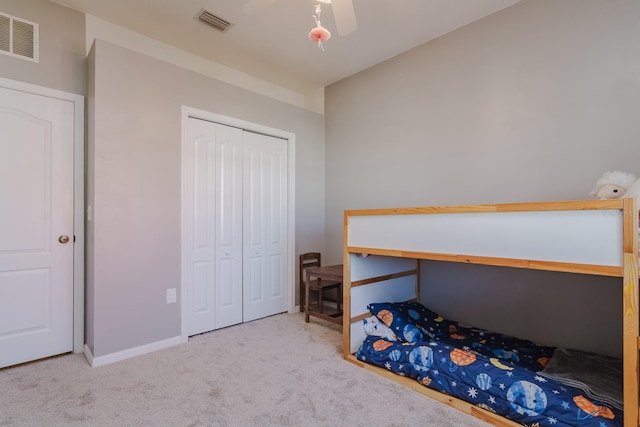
(63, 239)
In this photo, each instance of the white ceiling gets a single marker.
(272, 44)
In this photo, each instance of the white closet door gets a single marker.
(228, 292)
(199, 233)
(265, 225)
(213, 234)
(235, 227)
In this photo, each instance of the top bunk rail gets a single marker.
(583, 236)
(571, 205)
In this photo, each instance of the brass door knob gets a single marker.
(63, 239)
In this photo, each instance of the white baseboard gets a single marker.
(129, 353)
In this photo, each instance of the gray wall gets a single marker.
(559, 309)
(134, 185)
(62, 62)
(532, 103)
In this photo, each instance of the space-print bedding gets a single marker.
(412, 321)
(509, 390)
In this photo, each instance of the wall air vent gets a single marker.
(19, 38)
(213, 20)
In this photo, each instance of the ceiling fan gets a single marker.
(343, 12)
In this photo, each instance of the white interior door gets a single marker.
(36, 260)
(265, 225)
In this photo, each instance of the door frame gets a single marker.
(290, 137)
(78, 196)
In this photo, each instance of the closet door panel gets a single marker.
(265, 219)
(277, 220)
(255, 282)
(199, 187)
(229, 226)
(255, 303)
(276, 281)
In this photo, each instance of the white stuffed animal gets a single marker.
(615, 185)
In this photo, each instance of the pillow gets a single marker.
(410, 321)
(373, 326)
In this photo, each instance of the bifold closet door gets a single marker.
(213, 228)
(235, 227)
(264, 225)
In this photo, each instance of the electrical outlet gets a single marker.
(171, 296)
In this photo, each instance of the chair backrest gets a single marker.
(308, 260)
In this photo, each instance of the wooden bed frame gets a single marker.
(399, 238)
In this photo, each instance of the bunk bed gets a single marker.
(382, 253)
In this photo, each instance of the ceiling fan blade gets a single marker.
(255, 6)
(345, 16)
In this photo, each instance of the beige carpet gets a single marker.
(276, 371)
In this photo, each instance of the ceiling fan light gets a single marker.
(319, 34)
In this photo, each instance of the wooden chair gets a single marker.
(313, 259)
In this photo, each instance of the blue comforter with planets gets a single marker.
(480, 367)
(511, 391)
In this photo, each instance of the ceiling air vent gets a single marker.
(18, 38)
(213, 20)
